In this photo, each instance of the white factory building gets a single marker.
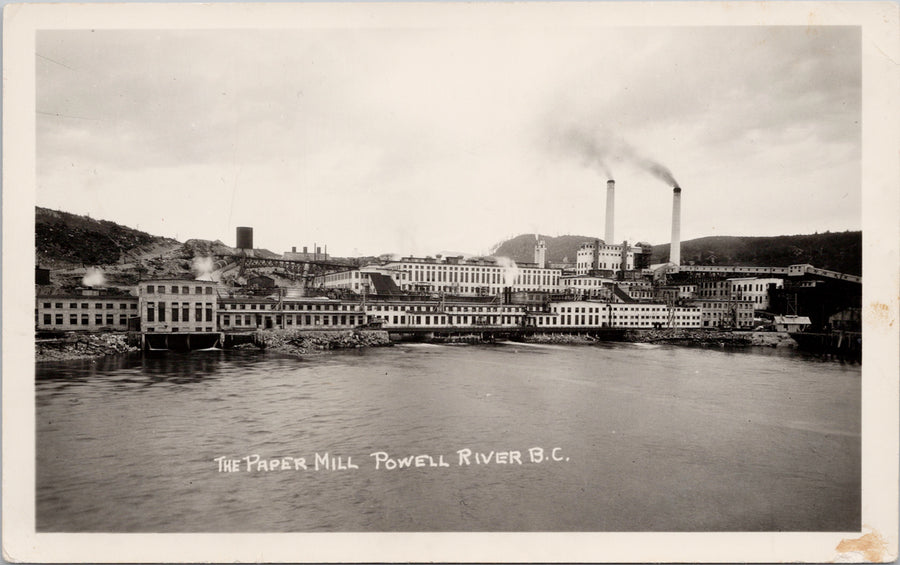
(615, 315)
(484, 276)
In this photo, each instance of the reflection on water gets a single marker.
(630, 437)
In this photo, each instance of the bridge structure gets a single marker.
(793, 271)
(295, 267)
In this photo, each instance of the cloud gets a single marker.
(418, 140)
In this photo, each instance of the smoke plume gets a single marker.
(203, 268)
(93, 277)
(601, 147)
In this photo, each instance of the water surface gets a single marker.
(647, 438)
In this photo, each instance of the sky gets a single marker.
(451, 139)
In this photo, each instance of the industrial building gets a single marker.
(87, 310)
(177, 305)
(609, 286)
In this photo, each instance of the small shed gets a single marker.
(791, 323)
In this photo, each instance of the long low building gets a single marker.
(186, 306)
(588, 314)
(87, 310)
(252, 313)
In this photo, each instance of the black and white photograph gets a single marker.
(460, 281)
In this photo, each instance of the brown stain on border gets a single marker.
(881, 313)
(871, 546)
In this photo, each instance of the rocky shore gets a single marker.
(559, 338)
(710, 337)
(84, 346)
(299, 342)
(678, 337)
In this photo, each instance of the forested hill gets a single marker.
(837, 251)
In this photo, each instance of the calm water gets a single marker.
(648, 438)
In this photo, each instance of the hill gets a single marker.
(837, 251)
(62, 239)
(559, 249)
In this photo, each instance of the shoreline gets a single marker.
(74, 346)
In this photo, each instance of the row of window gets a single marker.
(249, 320)
(178, 313)
(450, 320)
(290, 306)
(598, 320)
(85, 319)
(161, 289)
(97, 305)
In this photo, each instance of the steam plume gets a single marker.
(93, 277)
(203, 268)
(510, 270)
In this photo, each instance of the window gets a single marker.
(209, 312)
(198, 290)
(58, 319)
(209, 290)
(109, 320)
(98, 306)
(73, 319)
(151, 312)
(98, 319)
(185, 290)
(134, 306)
(58, 305)
(109, 306)
(149, 289)
(174, 290)
(123, 319)
(84, 305)
(162, 311)
(123, 306)
(47, 318)
(85, 320)
(198, 312)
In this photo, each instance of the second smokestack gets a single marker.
(675, 246)
(610, 211)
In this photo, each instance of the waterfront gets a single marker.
(649, 438)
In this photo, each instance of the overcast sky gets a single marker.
(437, 140)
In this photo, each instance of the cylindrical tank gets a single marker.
(244, 238)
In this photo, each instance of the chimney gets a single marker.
(610, 211)
(294, 249)
(675, 246)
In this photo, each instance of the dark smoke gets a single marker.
(593, 150)
(599, 148)
(659, 171)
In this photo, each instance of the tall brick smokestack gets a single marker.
(610, 211)
(675, 246)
